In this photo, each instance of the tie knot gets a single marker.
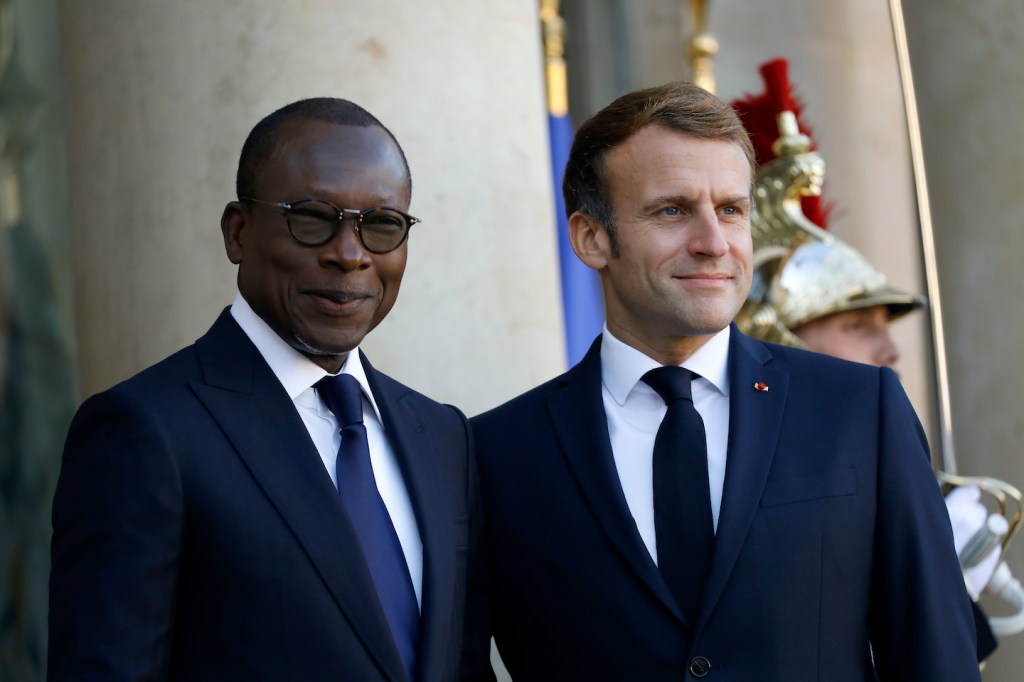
(671, 383)
(343, 397)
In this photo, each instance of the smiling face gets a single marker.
(860, 335)
(321, 300)
(684, 260)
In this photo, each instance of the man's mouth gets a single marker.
(339, 301)
(706, 277)
(339, 296)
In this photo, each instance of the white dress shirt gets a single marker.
(635, 412)
(297, 374)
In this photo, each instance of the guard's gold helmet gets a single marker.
(801, 272)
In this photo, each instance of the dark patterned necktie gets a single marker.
(683, 524)
(358, 489)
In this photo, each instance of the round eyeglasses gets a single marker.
(314, 223)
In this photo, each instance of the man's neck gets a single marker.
(667, 351)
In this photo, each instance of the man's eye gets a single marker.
(731, 210)
(670, 210)
(383, 221)
(312, 215)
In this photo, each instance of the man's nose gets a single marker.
(888, 351)
(345, 248)
(707, 237)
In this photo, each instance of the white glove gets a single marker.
(968, 515)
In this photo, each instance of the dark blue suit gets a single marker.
(198, 536)
(833, 540)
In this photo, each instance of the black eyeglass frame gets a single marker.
(342, 213)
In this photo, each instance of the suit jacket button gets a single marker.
(700, 666)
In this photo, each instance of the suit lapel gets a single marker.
(246, 399)
(582, 427)
(416, 453)
(755, 418)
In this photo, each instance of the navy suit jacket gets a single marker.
(833, 557)
(198, 536)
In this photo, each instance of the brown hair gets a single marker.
(683, 107)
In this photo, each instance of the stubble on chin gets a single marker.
(317, 353)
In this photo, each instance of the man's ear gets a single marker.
(232, 225)
(589, 240)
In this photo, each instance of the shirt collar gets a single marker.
(622, 365)
(295, 371)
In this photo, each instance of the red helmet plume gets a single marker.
(758, 114)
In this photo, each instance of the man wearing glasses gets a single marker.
(265, 504)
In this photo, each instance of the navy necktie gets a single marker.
(380, 545)
(683, 524)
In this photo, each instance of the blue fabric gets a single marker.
(358, 488)
(582, 305)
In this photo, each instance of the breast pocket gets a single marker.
(810, 485)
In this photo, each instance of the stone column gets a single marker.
(970, 86)
(161, 97)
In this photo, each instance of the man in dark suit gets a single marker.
(265, 504)
(688, 502)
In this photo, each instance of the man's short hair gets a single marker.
(263, 138)
(680, 106)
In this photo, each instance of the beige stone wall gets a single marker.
(970, 82)
(161, 96)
